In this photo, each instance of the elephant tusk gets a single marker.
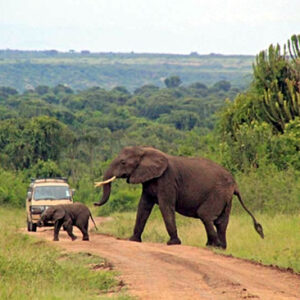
(101, 183)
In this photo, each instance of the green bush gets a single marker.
(255, 145)
(286, 147)
(249, 148)
(123, 198)
(85, 191)
(44, 169)
(268, 190)
(13, 187)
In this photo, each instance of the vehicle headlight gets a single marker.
(37, 209)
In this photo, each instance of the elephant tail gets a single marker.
(93, 221)
(257, 226)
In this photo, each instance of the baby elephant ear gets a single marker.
(152, 165)
(58, 214)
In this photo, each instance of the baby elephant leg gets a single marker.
(57, 226)
(83, 225)
(69, 228)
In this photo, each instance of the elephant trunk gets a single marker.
(108, 178)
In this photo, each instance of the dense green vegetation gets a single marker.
(27, 69)
(53, 131)
(262, 126)
(255, 133)
(31, 269)
(56, 131)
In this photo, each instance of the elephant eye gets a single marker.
(123, 162)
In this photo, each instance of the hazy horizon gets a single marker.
(230, 27)
(131, 52)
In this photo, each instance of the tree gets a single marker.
(61, 88)
(172, 82)
(276, 80)
(146, 90)
(182, 120)
(42, 89)
(222, 85)
(5, 92)
(198, 86)
(48, 138)
(24, 142)
(274, 96)
(294, 47)
(43, 169)
(263, 123)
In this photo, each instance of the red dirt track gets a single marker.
(157, 271)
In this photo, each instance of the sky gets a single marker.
(148, 26)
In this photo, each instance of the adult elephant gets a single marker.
(193, 187)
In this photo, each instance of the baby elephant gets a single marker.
(68, 215)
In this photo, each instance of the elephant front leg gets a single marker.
(69, 229)
(168, 213)
(57, 226)
(144, 210)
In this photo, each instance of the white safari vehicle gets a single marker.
(43, 193)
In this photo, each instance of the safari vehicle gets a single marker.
(43, 193)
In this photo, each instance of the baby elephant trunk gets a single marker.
(40, 223)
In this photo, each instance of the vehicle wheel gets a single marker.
(31, 226)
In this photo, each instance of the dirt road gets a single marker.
(157, 271)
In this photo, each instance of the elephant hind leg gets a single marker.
(212, 236)
(207, 214)
(84, 227)
(221, 224)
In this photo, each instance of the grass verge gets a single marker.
(32, 269)
(281, 246)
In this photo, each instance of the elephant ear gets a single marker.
(58, 214)
(152, 165)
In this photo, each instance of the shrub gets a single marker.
(123, 198)
(44, 169)
(268, 190)
(13, 188)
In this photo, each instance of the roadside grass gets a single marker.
(33, 269)
(280, 247)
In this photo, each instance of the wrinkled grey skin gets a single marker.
(76, 214)
(193, 187)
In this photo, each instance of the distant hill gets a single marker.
(28, 69)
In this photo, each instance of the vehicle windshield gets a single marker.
(53, 192)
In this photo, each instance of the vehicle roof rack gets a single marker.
(45, 179)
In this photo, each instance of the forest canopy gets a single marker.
(254, 132)
(82, 70)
